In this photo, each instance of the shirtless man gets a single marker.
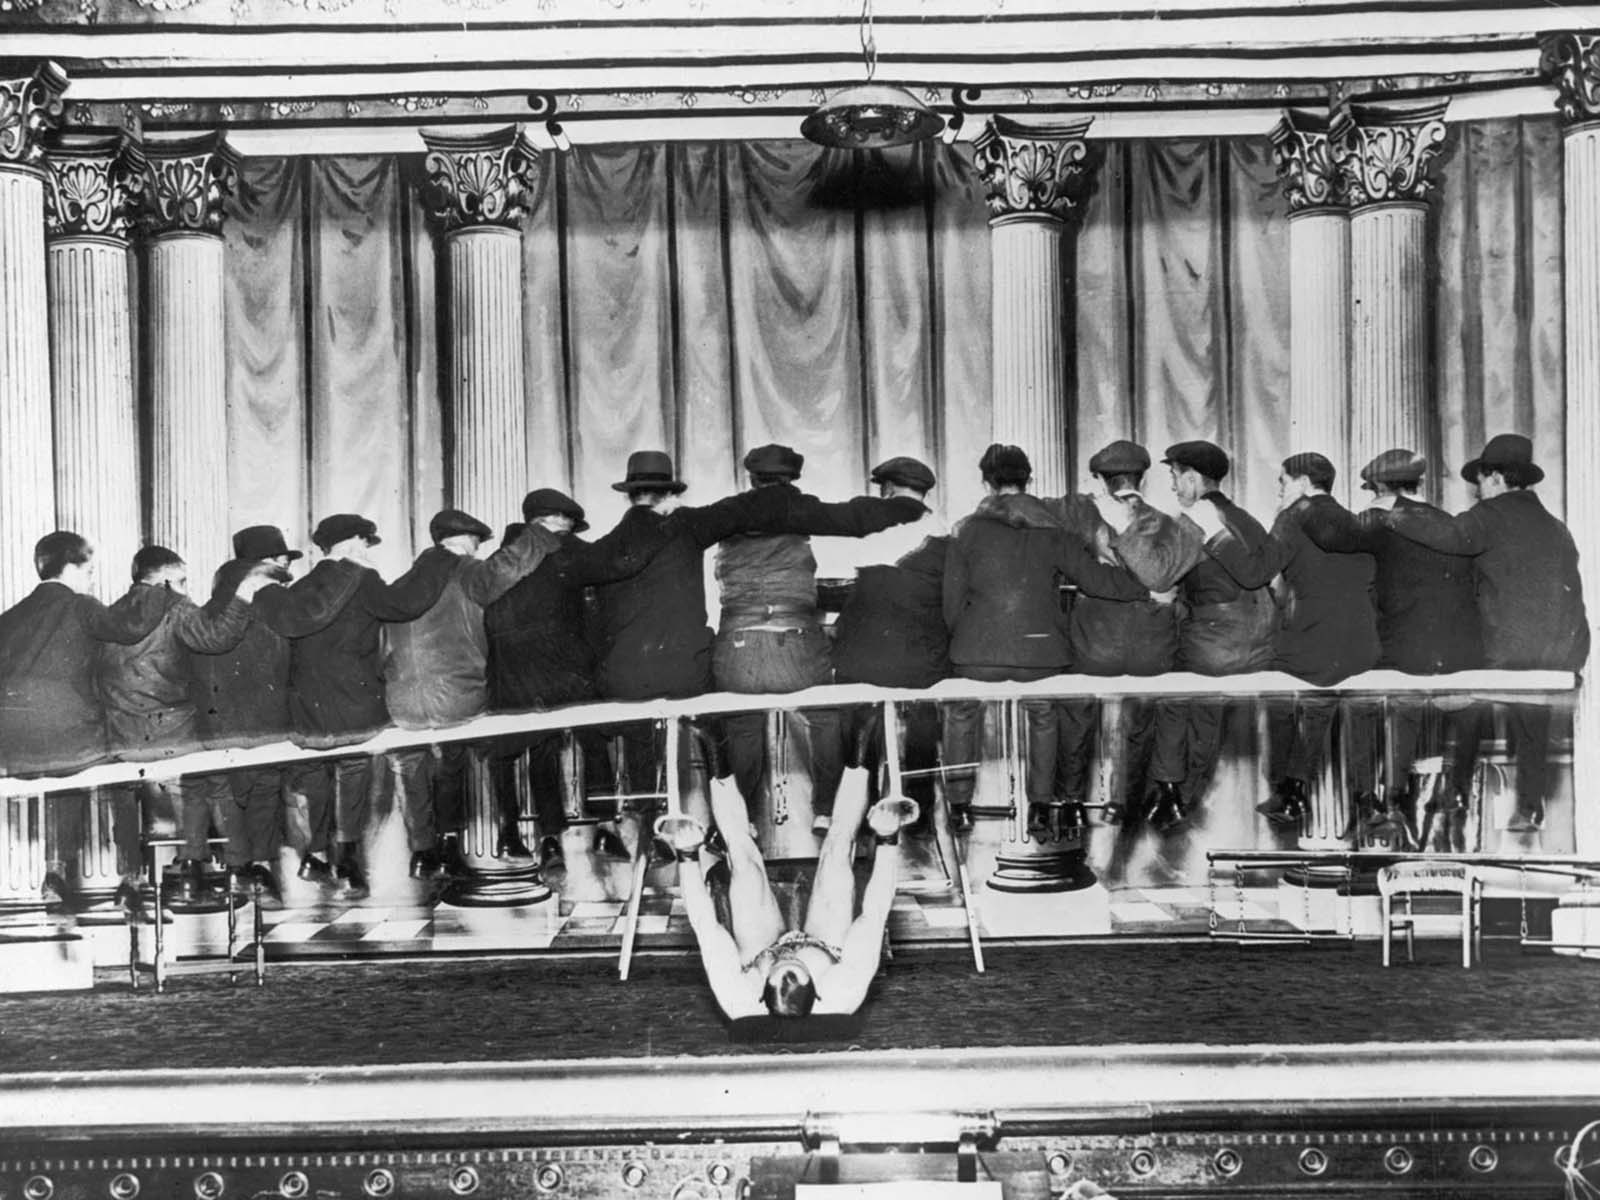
(760, 968)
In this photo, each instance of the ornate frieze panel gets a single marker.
(1572, 62)
(477, 180)
(187, 184)
(93, 186)
(1306, 162)
(1044, 170)
(1385, 151)
(30, 107)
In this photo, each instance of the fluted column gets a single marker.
(1385, 154)
(1573, 61)
(188, 183)
(1319, 289)
(1037, 179)
(477, 196)
(30, 107)
(91, 193)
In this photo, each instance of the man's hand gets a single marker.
(888, 816)
(256, 579)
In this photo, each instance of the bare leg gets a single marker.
(756, 918)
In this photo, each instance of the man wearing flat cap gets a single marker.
(1002, 604)
(1327, 629)
(336, 694)
(770, 637)
(1530, 598)
(541, 656)
(243, 700)
(434, 676)
(652, 632)
(1427, 625)
(1226, 629)
(1118, 637)
(891, 630)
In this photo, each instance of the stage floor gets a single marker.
(1132, 992)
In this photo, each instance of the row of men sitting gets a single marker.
(337, 654)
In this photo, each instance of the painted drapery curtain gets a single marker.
(707, 298)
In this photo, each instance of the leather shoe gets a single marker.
(551, 854)
(961, 818)
(451, 863)
(425, 864)
(314, 870)
(1287, 804)
(1169, 813)
(820, 824)
(258, 877)
(608, 844)
(510, 843)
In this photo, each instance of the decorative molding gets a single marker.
(478, 180)
(30, 108)
(1043, 170)
(93, 187)
(1385, 151)
(188, 183)
(1572, 61)
(1307, 162)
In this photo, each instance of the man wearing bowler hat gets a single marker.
(540, 656)
(1530, 597)
(1226, 629)
(434, 677)
(243, 700)
(1119, 637)
(770, 636)
(1327, 629)
(336, 697)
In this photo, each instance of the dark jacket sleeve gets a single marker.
(1093, 577)
(1253, 566)
(309, 605)
(485, 580)
(1464, 534)
(414, 593)
(620, 554)
(1158, 550)
(127, 621)
(1334, 529)
(208, 632)
(780, 509)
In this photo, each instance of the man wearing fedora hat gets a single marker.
(244, 701)
(541, 656)
(770, 636)
(1226, 629)
(1530, 597)
(336, 694)
(434, 676)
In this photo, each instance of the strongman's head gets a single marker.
(789, 990)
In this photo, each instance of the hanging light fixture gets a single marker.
(871, 116)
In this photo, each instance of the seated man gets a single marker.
(760, 968)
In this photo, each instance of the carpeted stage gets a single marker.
(520, 1009)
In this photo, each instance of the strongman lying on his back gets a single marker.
(760, 967)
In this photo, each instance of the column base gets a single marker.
(510, 887)
(1062, 870)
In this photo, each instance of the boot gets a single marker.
(352, 880)
(551, 855)
(961, 818)
(510, 844)
(426, 864)
(314, 870)
(608, 843)
(1169, 813)
(1365, 809)
(451, 863)
(258, 878)
(185, 881)
(1287, 804)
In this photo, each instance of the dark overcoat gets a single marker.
(1002, 581)
(1525, 575)
(891, 631)
(241, 696)
(335, 665)
(1226, 623)
(50, 716)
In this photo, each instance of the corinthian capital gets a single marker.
(1043, 170)
(1572, 61)
(30, 107)
(479, 180)
(1304, 154)
(92, 187)
(187, 184)
(1385, 151)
